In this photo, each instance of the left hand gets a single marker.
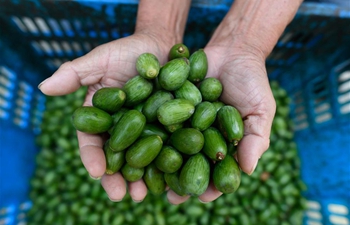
(246, 87)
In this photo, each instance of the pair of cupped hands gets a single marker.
(239, 66)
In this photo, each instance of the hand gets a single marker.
(236, 56)
(111, 64)
(245, 86)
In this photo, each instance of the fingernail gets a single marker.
(201, 201)
(252, 170)
(137, 201)
(95, 178)
(39, 86)
(115, 200)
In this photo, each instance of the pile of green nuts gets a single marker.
(63, 193)
(167, 126)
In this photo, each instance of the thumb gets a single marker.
(71, 75)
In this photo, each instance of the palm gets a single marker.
(246, 87)
(114, 63)
(111, 64)
(243, 78)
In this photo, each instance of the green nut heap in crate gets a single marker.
(167, 126)
(63, 193)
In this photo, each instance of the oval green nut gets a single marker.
(190, 92)
(154, 102)
(143, 151)
(203, 116)
(211, 89)
(155, 129)
(147, 65)
(127, 130)
(169, 160)
(227, 175)
(137, 89)
(230, 123)
(132, 174)
(114, 160)
(198, 66)
(187, 140)
(109, 99)
(172, 180)
(218, 105)
(175, 111)
(178, 51)
(174, 74)
(173, 127)
(195, 175)
(154, 179)
(215, 146)
(92, 120)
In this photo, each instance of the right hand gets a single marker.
(108, 65)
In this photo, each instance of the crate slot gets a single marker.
(309, 222)
(321, 107)
(35, 45)
(344, 98)
(315, 215)
(55, 62)
(5, 82)
(21, 216)
(77, 48)
(323, 117)
(67, 27)
(30, 25)
(42, 26)
(67, 48)
(301, 126)
(338, 220)
(301, 117)
(344, 76)
(344, 91)
(87, 46)
(338, 209)
(313, 205)
(5, 104)
(286, 37)
(4, 114)
(20, 122)
(6, 221)
(345, 109)
(22, 111)
(4, 71)
(45, 46)
(55, 27)
(57, 48)
(19, 24)
(299, 109)
(298, 112)
(78, 27)
(344, 85)
(5, 92)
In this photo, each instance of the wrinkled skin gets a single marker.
(245, 86)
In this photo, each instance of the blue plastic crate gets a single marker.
(310, 61)
(319, 87)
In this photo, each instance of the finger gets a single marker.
(254, 143)
(114, 186)
(91, 154)
(210, 194)
(175, 199)
(85, 70)
(137, 190)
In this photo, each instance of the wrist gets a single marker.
(255, 26)
(164, 20)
